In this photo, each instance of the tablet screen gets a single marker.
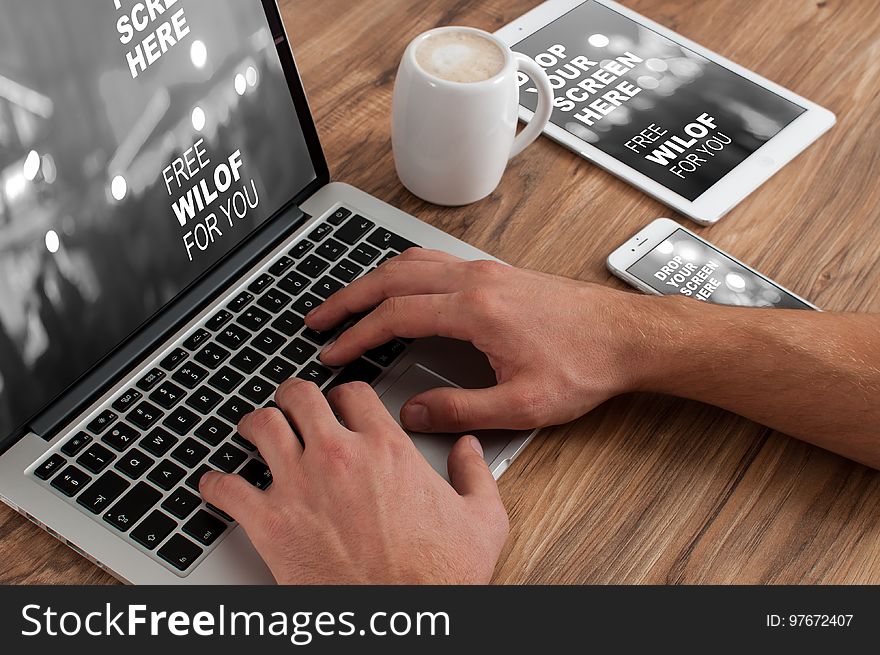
(680, 119)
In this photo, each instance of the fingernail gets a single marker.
(476, 445)
(328, 349)
(415, 417)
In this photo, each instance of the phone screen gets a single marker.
(683, 264)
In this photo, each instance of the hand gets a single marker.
(558, 347)
(359, 504)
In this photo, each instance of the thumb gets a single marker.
(468, 472)
(449, 409)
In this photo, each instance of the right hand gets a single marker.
(559, 347)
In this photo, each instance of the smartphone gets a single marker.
(667, 259)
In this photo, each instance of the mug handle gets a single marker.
(545, 103)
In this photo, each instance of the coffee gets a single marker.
(460, 56)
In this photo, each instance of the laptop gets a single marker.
(166, 221)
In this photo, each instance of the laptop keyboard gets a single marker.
(136, 463)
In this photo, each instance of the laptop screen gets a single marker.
(140, 142)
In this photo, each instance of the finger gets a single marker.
(271, 433)
(468, 472)
(235, 496)
(449, 409)
(394, 278)
(306, 408)
(406, 316)
(361, 410)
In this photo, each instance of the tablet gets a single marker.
(681, 123)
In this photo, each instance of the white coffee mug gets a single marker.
(452, 140)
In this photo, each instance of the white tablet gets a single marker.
(677, 121)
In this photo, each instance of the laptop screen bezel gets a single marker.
(322, 178)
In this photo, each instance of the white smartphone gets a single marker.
(677, 121)
(668, 259)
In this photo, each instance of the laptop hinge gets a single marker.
(137, 348)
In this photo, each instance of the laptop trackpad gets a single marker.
(435, 447)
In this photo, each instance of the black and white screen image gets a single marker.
(661, 109)
(139, 143)
(685, 265)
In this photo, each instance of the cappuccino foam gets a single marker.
(463, 57)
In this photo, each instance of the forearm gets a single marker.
(812, 375)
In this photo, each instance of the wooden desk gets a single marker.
(646, 489)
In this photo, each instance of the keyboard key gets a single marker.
(332, 250)
(386, 258)
(153, 530)
(71, 481)
(257, 473)
(127, 400)
(190, 453)
(174, 359)
(203, 400)
(75, 444)
(134, 463)
(181, 421)
(294, 283)
(288, 323)
(166, 475)
(103, 421)
(316, 373)
(219, 512)
(359, 371)
(326, 287)
(364, 254)
(278, 370)
(274, 300)
(262, 283)
(233, 337)
(193, 480)
(312, 266)
(133, 505)
(241, 301)
(197, 339)
(354, 230)
(180, 552)
(181, 503)
(387, 354)
(320, 338)
(213, 431)
(346, 270)
(339, 216)
(121, 437)
(228, 458)
(280, 267)
(244, 443)
(321, 232)
(299, 352)
(96, 458)
(204, 527)
(167, 395)
(158, 442)
(151, 379)
(50, 467)
(212, 355)
(248, 360)
(388, 240)
(217, 321)
(144, 416)
(254, 319)
(301, 249)
(102, 492)
(257, 390)
(226, 380)
(189, 376)
(306, 304)
(235, 409)
(268, 341)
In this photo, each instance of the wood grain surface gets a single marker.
(646, 489)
